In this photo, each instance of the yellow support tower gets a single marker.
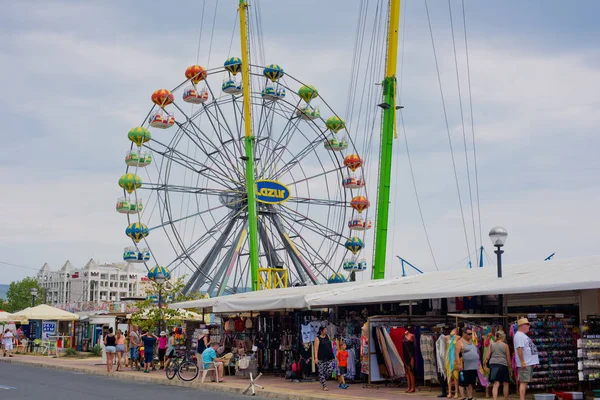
(272, 278)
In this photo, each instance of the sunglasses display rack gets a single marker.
(588, 352)
(557, 350)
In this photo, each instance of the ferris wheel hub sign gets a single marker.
(271, 192)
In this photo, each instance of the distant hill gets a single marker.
(3, 290)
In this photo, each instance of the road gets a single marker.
(22, 382)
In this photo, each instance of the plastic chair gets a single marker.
(205, 371)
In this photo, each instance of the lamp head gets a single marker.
(498, 236)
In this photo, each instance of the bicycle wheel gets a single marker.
(188, 371)
(171, 368)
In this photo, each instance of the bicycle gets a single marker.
(183, 365)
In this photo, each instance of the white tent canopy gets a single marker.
(535, 277)
(263, 300)
(45, 312)
(541, 276)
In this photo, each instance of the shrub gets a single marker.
(70, 352)
(96, 350)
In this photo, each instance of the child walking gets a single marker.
(342, 359)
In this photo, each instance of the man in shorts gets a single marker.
(210, 356)
(134, 346)
(467, 355)
(526, 355)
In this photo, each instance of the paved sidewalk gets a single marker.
(275, 388)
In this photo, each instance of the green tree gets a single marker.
(148, 314)
(18, 296)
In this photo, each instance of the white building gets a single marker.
(92, 283)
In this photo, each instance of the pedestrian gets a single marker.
(110, 344)
(203, 341)
(323, 356)
(526, 355)
(134, 345)
(8, 340)
(149, 340)
(499, 362)
(162, 348)
(468, 362)
(342, 359)
(209, 356)
(120, 340)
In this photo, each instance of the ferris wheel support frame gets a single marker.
(388, 134)
(249, 144)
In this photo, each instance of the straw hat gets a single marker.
(523, 321)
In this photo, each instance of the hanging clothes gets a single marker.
(396, 361)
(351, 371)
(440, 353)
(397, 336)
(389, 369)
(364, 355)
(451, 363)
(429, 365)
(378, 352)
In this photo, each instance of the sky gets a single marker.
(77, 76)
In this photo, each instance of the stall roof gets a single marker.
(542, 276)
(45, 312)
(264, 300)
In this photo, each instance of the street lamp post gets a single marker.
(498, 236)
(34, 293)
(160, 279)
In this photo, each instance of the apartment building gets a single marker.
(92, 283)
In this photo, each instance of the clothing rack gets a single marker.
(374, 322)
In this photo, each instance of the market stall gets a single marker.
(55, 327)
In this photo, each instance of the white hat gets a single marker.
(163, 333)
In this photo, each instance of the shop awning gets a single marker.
(543, 276)
(7, 317)
(45, 312)
(201, 304)
(264, 300)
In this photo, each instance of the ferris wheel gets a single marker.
(185, 182)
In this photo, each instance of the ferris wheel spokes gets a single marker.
(200, 275)
(216, 150)
(223, 273)
(217, 176)
(304, 272)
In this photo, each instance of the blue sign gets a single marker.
(48, 329)
(271, 192)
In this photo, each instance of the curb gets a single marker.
(175, 382)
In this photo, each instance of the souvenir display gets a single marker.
(556, 340)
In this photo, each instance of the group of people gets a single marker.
(141, 349)
(498, 361)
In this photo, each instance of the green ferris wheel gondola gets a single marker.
(308, 93)
(233, 65)
(273, 72)
(130, 182)
(335, 123)
(139, 135)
